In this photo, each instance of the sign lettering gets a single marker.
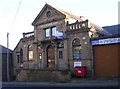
(106, 41)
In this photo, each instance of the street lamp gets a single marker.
(7, 57)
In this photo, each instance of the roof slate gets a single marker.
(4, 49)
(113, 29)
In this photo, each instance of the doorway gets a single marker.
(50, 56)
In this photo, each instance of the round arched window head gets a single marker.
(48, 14)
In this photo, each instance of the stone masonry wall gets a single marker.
(43, 76)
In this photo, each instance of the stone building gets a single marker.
(60, 41)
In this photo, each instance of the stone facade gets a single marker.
(59, 39)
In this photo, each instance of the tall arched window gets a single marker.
(77, 54)
(30, 52)
(21, 55)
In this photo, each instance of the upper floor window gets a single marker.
(52, 32)
(48, 14)
(47, 32)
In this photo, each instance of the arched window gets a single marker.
(21, 55)
(30, 52)
(77, 54)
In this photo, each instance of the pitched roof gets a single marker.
(58, 9)
(68, 14)
(4, 49)
(100, 29)
(113, 29)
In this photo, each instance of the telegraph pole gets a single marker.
(7, 56)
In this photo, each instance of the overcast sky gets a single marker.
(100, 12)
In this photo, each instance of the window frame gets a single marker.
(18, 58)
(77, 49)
(52, 32)
(60, 53)
(30, 52)
(46, 33)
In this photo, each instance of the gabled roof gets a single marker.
(59, 10)
(68, 14)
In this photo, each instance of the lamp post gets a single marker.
(7, 57)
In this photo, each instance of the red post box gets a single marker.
(80, 71)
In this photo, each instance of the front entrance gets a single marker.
(50, 56)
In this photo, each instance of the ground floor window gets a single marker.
(30, 52)
(18, 58)
(77, 54)
(40, 56)
(60, 54)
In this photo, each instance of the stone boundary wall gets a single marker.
(44, 76)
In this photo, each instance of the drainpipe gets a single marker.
(92, 63)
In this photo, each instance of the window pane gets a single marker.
(54, 31)
(47, 32)
(60, 54)
(40, 55)
(30, 55)
(21, 55)
(77, 52)
(18, 59)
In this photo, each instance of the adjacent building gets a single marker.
(6, 66)
(106, 53)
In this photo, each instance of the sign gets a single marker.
(77, 64)
(60, 44)
(49, 24)
(106, 41)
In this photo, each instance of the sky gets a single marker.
(99, 12)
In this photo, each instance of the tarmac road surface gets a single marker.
(74, 84)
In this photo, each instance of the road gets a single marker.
(82, 84)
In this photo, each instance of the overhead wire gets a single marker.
(16, 14)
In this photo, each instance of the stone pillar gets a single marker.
(35, 33)
(56, 57)
(65, 55)
(35, 55)
(44, 61)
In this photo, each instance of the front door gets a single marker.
(50, 57)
